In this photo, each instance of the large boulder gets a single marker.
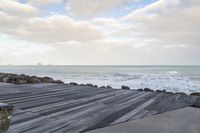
(47, 80)
(160, 91)
(125, 87)
(148, 90)
(109, 87)
(197, 103)
(59, 82)
(89, 84)
(36, 80)
(5, 117)
(195, 94)
(73, 83)
(140, 90)
(181, 93)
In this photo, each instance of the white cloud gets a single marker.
(164, 32)
(45, 2)
(54, 29)
(18, 9)
(91, 8)
(170, 21)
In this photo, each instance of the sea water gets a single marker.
(171, 78)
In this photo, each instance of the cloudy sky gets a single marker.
(100, 32)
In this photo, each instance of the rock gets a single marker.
(159, 91)
(24, 79)
(197, 103)
(59, 82)
(195, 94)
(109, 87)
(36, 80)
(21, 81)
(82, 84)
(140, 90)
(125, 88)
(73, 83)
(5, 79)
(148, 90)
(171, 93)
(96, 86)
(47, 80)
(5, 117)
(89, 84)
(180, 93)
(102, 87)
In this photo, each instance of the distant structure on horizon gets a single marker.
(39, 64)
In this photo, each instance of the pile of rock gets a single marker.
(26, 79)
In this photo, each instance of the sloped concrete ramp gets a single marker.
(186, 120)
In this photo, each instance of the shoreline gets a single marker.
(41, 101)
(20, 79)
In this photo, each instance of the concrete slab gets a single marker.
(186, 120)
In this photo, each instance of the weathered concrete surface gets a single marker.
(5, 116)
(65, 108)
(186, 120)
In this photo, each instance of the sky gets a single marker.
(100, 32)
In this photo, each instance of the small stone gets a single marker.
(96, 86)
(125, 88)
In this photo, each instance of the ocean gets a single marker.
(171, 78)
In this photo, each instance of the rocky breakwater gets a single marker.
(26, 79)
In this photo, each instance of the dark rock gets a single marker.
(195, 94)
(125, 87)
(197, 103)
(47, 80)
(96, 86)
(88, 84)
(180, 93)
(36, 80)
(140, 90)
(5, 79)
(159, 91)
(102, 87)
(5, 117)
(24, 79)
(171, 93)
(73, 83)
(59, 82)
(148, 90)
(21, 81)
(109, 87)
